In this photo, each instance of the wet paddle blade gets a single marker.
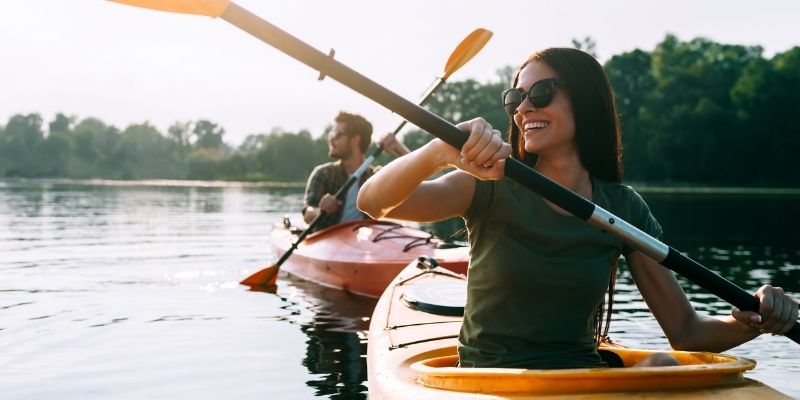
(266, 277)
(210, 8)
(467, 49)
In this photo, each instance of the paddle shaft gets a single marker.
(377, 151)
(515, 169)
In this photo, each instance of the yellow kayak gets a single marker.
(411, 354)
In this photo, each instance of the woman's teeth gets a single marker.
(536, 125)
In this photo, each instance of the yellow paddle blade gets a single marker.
(211, 8)
(265, 277)
(467, 49)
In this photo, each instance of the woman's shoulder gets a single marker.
(614, 188)
(623, 201)
(615, 193)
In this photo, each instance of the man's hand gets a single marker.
(329, 204)
(390, 143)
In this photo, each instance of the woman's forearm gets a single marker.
(398, 180)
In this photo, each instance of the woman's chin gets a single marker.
(531, 146)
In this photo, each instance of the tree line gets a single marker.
(693, 112)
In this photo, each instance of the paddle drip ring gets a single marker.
(323, 68)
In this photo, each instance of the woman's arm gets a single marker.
(399, 190)
(688, 330)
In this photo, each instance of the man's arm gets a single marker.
(313, 195)
(317, 198)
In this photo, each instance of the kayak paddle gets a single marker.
(467, 49)
(443, 129)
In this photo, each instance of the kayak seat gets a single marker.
(613, 360)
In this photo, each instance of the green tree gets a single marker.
(93, 146)
(766, 98)
(20, 136)
(586, 44)
(53, 154)
(631, 77)
(61, 123)
(208, 135)
(204, 163)
(287, 157)
(180, 134)
(696, 120)
(144, 153)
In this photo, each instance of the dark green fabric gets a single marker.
(536, 277)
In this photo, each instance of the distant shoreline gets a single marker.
(726, 191)
(159, 182)
(644, 189)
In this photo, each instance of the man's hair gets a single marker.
(355, 124)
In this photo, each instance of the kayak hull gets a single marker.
(412, 354)
(362, 257)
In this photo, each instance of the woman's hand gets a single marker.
(777, 312)
(484, 153)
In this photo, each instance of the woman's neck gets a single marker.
(569, 173)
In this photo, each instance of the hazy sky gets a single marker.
(126, 65)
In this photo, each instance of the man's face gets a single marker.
(339, 144)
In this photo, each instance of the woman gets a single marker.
(538, 275)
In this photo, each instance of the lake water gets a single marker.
(130, 290)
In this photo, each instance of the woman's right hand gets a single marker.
(484, 153)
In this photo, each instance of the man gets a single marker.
(347, 143)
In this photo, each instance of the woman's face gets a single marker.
(549, 130)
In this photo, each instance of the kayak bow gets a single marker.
(362, 257)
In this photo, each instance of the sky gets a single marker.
(124, 65)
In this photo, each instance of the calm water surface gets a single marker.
(130, 291)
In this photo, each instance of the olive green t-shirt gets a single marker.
(536, 277)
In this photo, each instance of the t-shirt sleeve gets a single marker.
(481, 198)
(639, 215)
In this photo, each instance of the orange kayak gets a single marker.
(362, 257)
(411, 354)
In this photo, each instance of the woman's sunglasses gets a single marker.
(540, 95)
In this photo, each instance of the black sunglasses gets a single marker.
(335, 135)
(540, 95)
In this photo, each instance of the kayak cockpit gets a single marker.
(412, 354)
(438, 369)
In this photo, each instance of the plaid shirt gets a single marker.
(328, 178)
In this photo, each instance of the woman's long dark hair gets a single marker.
(598, 135)
(597, 129)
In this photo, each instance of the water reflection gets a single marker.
(336, 324)
(78, 254)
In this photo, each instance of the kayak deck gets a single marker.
(412, 354)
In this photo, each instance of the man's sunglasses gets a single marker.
(335, 135)
(540, 95)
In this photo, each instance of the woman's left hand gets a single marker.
(777, 312)
(483, 154)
